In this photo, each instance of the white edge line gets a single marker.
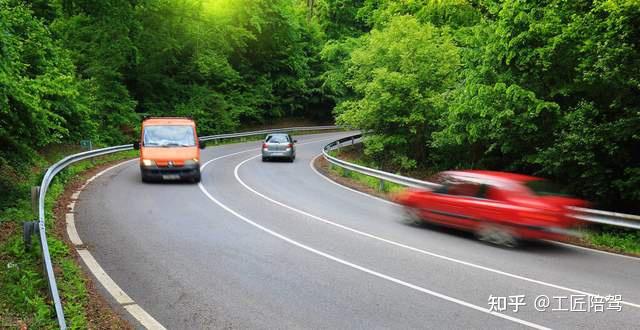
(367, 270)
(466, 263)
(595, 250)
(143, 317)
(135, 310)
(399, 205)
(118, 294)
(71, 229)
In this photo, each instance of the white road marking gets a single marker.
(394, 243)
(116, 292)
(143, 317)
(369, 271)
(349, 264)
(76, 194)
(71, 207)
(594, 250)
(98, 272)
(71, 229)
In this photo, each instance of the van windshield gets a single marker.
(169, 136)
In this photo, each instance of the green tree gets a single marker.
(401, 76)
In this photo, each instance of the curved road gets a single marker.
(276, 245)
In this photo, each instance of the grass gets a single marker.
(610, 238)
(24, 297)
(615, 239)
(385, 187)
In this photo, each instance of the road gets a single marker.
(276, 245)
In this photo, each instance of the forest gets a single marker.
(547, 87)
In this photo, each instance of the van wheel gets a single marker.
(196, 178)
(497, 235)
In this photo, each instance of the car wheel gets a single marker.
(264, 159)
(291, 159)
(145, 179)
(412, 216)
(497, 235)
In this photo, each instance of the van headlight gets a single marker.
(189, 162)
(148, 162)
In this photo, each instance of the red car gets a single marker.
(500, 208)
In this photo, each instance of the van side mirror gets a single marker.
(201, 144)
(136, 145)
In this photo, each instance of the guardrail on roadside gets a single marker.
(584, 214)
(40, 228)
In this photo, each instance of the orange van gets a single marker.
(169, 149)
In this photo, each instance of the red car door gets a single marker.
(451, 204)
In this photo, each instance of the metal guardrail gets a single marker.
(46, 181)
(589, 215)
(607, 218)
(62, 164)
(385, 176)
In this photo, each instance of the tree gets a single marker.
(401, 76)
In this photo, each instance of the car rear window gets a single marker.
(546, 188)
(278, 139)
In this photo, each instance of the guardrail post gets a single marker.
(381, 185)
(353, 141)
(29, 228)
(35, 194)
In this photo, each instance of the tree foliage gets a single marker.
(542, 87)
(545, 87)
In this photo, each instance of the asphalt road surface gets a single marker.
(276, 245)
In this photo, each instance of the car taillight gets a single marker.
(265, 146)
(290, 145)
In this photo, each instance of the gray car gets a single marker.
(279, 145)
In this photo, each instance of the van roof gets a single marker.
(168, 121)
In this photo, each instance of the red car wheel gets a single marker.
(498, 235)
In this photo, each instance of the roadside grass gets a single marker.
(615, 239)
(24, 296)
(381, 186)
(609, 238)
